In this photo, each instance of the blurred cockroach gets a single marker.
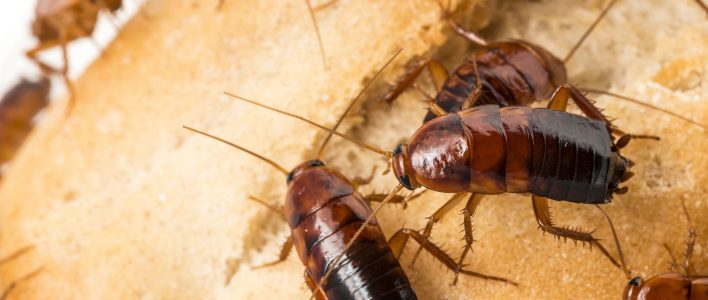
(5, 292)
(59, 22)
(324, 211)
(513, 72)
(674, 285)
(17, 110)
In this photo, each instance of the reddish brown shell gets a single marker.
(512, 73)
(489, 150)
(324, 212)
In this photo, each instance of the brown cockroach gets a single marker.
(18, 109)
(513, 72)
(59, 22)
(485, 150)
(675, 285)
(324, 212)
(5, 292)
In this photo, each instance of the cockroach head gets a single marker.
(402, 168)
(304, 166)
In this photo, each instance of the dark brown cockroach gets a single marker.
(5, 291)
(17, 110)
(59, 22)
(675, 285)
(505, 73)
(326, 215)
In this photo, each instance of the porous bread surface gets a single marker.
(121, 202)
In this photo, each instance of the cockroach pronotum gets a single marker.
(5, 291)
(513, 72)
(324, 212)
(18, 109)
(674, 285)
(58, 22)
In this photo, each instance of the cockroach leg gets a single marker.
(436, 109)
(468, 212)
(63, 42)
(278, 209)
(543, 217)
(469, 35)
(317, 292)
(33, 53)
(437, 72)
(398, 242)
(436, 217)
(284, 252)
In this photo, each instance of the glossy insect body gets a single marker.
(324, 212)
(511, 73)
(488, 150)
(673, 286)
(17, 109)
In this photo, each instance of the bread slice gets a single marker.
(121, 202)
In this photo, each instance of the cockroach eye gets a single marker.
(316, 163)
(405, 182)
(398, 149)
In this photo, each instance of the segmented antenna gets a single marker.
(261, 157)
(359, 143)
(317, 31)
(588, 31)
(351, 104)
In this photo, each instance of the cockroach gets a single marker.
(59, 22)
(5, 292)
(486, 150)
(18, 108)
(324, 212)
(676, 285)
(513, 72)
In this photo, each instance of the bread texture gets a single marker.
(120, 201)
